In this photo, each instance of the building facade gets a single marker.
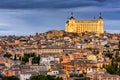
(47, 50)
(78, 26)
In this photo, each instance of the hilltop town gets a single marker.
(67, 55)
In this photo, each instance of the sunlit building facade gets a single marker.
(78, 26)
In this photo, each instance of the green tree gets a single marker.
(33, 78)
(108, 54)
(113, 68)
(87, 78)
(10, 78)
(38, 77)
(44, 77)
(119, 45)
(26, 57)
(110, 69)
(36, 60)
(7, 55)
(59, 78)
(49, 77)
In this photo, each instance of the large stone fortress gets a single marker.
(78, 26)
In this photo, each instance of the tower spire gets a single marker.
(72, 16)
(71, 13)
(67, 20)
(100, 15)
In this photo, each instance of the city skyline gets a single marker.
(22, 17)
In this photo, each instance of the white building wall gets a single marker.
(53, 73)
(24, 76)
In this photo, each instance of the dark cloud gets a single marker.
(101, 0)
(47, 4)
(41, 15)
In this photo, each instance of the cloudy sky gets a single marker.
(24, 17)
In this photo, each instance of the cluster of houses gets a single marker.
(61, 54)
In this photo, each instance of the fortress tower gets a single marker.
(78, 26)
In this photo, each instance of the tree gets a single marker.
(108, 55)
(117, 53)
(50, 77)
(33, 78)
(110, 69)
(119, 45)
(27, 56)
(25, 59)
(59, 78)
(87, 78)
(7, 55)
(10, 78)
(114, 67)
(36, 60)
(44, 77)
(38, 77)
(118, 59)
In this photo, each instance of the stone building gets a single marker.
(78, 26)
